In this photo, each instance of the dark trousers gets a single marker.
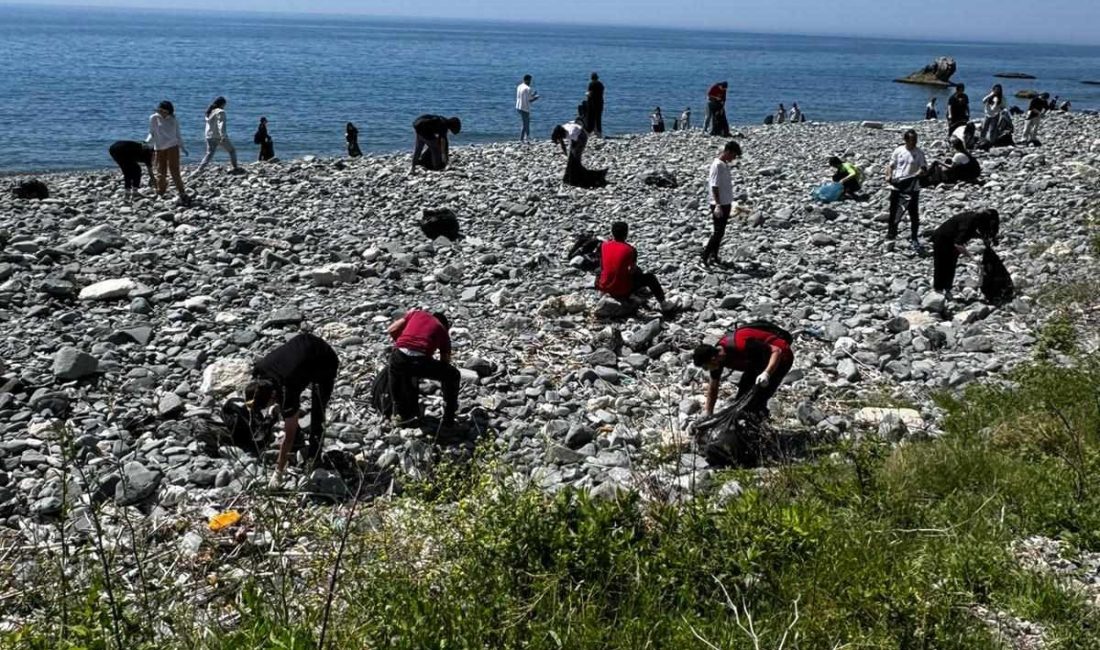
(710, 252)
(851, 186)
(642, 280)
(759, 403)
(593, 120)
(945, 259)
(406, 370)
(131, 171)
(907, 192)
(435, 151)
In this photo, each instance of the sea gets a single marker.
(74, 80)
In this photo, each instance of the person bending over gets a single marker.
(127, 154)
(417, 336)
(576, 174)
(949, 242)
(431, 135)
(848, 175)
(279, 379)
(620, 276)
(763, 358)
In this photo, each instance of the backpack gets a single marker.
(586, 246)
(766, 326)
(997, 284)
(439, 222)
(247, 430)
(380, 398)
(33, 189)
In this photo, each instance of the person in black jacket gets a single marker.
(958, 109)
(949, 241)
(593, 116)
(351, 135)
(431, 134)
(127, 154)
(279, 379)
(267, 145)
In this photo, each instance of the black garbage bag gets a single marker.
(32, 189)
(380, 398)
(997, 284)
(247, 430)
(732, 437)
(587, 247)
(440, 222)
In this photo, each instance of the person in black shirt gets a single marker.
(958, 109)
(127, 154)
(351, 135)
(431, 134)
(593, 120)
(949, 241)
(279, 378)
(261, 137)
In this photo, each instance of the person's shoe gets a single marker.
(236, 171)
(706, 260)
(916, 246)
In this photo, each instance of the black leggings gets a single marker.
(649, 281)
(406, 369)
(910, 189)
(715, 241)
(945, 259)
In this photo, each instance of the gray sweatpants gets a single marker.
(212, 145)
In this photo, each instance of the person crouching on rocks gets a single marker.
(127, 154)
(416, 337)
(279, 379)
(949, 242)
(848, 175)
(431, 134)
(620, 276)
(763, 357)
(576, 174)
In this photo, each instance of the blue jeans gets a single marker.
(525, 117)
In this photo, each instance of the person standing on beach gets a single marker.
(930, 110)
(431, 134)
(685, 119)
(796, 114)
(993, 104)
(594, 97)
(524, 98)
(576, 174)
(716, 100)
(351, 136)
(721, 199)
(1032, 119)
(906, 167)
(958, 109)
(657, 120)
(267, 145)
(217, 136)
(127, 154)
(780, 114)
(164, 134)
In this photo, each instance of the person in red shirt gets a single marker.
(716, 101)
(619, 275)
(763, 358)
(417, 335)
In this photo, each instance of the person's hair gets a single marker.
(932, 100)
(526, 78)
(958, 144)
(724, 84)
(558, 134)
(909, 134)
(443, 320)
(263, 119)
(703, 354)
(834, 161)
(454, 124)
(167, 106)
(259, 393)
(959, 87)
(656, 109)
(619, 230)
(219, 102)
(595, 76)
(350, 127)
(732, 147)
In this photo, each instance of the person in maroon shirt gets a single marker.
(716, 100)
(763, 358)
(619, 275)
(417, 335)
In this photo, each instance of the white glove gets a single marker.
(276, 480)
(762, 379)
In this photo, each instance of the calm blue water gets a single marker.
(74, 80)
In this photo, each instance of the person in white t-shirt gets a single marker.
(720, 188)
(164, 134)
(906, 167)
(524, 98)
(217, 136)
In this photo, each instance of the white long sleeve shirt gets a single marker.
(215, 125)
(164, 132)
(524, 97)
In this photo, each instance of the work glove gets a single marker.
(762, 379)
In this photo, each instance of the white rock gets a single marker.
(874, 416)
(108, 289)
(226, 375)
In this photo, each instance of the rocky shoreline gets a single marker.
(127, 325)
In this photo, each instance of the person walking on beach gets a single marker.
(524, 98)
(593, 117)
(351, 136)
(267, 145)
(657, 120)
(432, 149)
(217, 136)
(620, 276)
(127, 154)
(930, 110)
(993, 104)
(716, 100)
(280, 377)
(721, 199)
(958, 109)
(416, 337)
(904, 171)
(949, 242)
(164, 134)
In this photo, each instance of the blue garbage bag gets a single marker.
(829, 192)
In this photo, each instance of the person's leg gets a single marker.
(173, 156)
(403, 387)
(435, 148)
(914, 216)
(162, 172)
(418, 149)
(708, 121)
(448, 377)
(851, 186)
(714, 244)
(599, 120)
(231, 150)
(894, 207)
(944, 260)
(525, 125)
(211, 147)
(641, 280)
(131, 176)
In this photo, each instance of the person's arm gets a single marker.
(396, 327)
(152, 122)
(290, 431)
(445, 147)
(773, 363)
(889, 170)
(221, 126)
(712, 392)
(847, 178)
(179, 137)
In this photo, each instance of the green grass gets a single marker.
(880, 547)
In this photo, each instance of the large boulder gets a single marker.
(225, 376)
(937, 73)
(71, 363)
